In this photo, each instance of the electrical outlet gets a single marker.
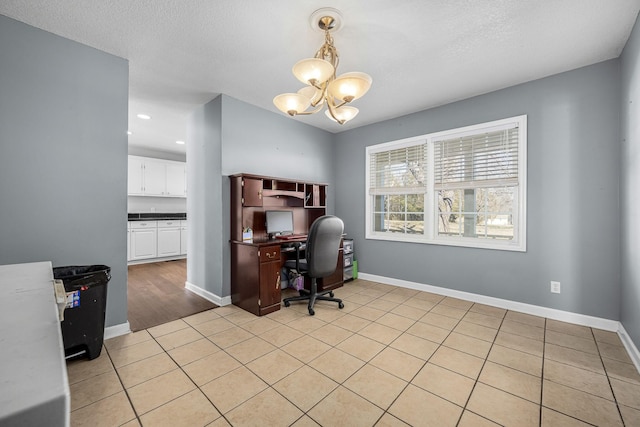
(555, 287)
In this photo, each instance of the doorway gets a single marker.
(156, 294)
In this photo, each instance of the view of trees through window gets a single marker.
(464, 187)
(400, 213)
(480, 212)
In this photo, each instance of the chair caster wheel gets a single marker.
(286, 304)
(311, 312)
(331, 294)
(340, 305)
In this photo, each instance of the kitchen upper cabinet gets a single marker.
(156, 177)
(135, 182)
(176, 182)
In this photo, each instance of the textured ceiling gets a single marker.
(421, 54)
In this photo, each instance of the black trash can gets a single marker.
(83, 324)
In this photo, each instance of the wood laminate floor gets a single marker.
(156, 294)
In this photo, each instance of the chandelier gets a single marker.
(319, 74)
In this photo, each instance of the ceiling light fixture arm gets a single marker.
(319, 73)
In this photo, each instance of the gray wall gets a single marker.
(235, 137)
(630, 170)
(204, 210)
(573, 196)
(63, 155)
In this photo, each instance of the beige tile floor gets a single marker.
(391, 357)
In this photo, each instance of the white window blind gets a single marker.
(399, 171)
(484, 159)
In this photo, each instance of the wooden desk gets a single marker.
(256, 266)
(256, 275)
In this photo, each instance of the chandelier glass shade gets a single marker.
(323, 87)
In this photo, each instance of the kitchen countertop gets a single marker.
(157, 216)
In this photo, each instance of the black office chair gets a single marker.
(322, 251)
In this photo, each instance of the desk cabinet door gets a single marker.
(252, 192)
(269, 283)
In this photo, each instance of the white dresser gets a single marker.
(33, 372)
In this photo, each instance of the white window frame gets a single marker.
(430, 235)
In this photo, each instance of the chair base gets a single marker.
(312, 296)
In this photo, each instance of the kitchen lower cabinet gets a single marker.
(168, 238)
(183, 237)
(128, 241)
(157, 240)
(144, 240)
(255, 278)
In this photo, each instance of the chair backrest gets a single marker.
(323, 245)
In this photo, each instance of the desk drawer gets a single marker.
(270, 253)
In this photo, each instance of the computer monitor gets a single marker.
(279, 222)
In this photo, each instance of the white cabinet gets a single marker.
(168, 238)
(135, 183)
(183, 237)
(144, 240)
(151, 241)
(156, 177)
(176, 182)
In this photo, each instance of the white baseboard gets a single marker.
(116, 330)
(536, 310)
(630, 346)
(550, 313)
(220, 301)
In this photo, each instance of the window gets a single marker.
(462, 187)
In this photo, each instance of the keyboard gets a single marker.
(292, 237)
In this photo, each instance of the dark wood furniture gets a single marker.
(256, 264)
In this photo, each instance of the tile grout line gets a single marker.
(613, 393)
(565, 385)
(480, 372)
(384, 411)
(185, 373)
(367, 362)
(126, 392)
(544, 349)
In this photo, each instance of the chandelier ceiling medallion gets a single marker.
(319, 74)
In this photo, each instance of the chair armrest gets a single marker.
(297, 246)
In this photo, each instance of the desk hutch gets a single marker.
(256, 264)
